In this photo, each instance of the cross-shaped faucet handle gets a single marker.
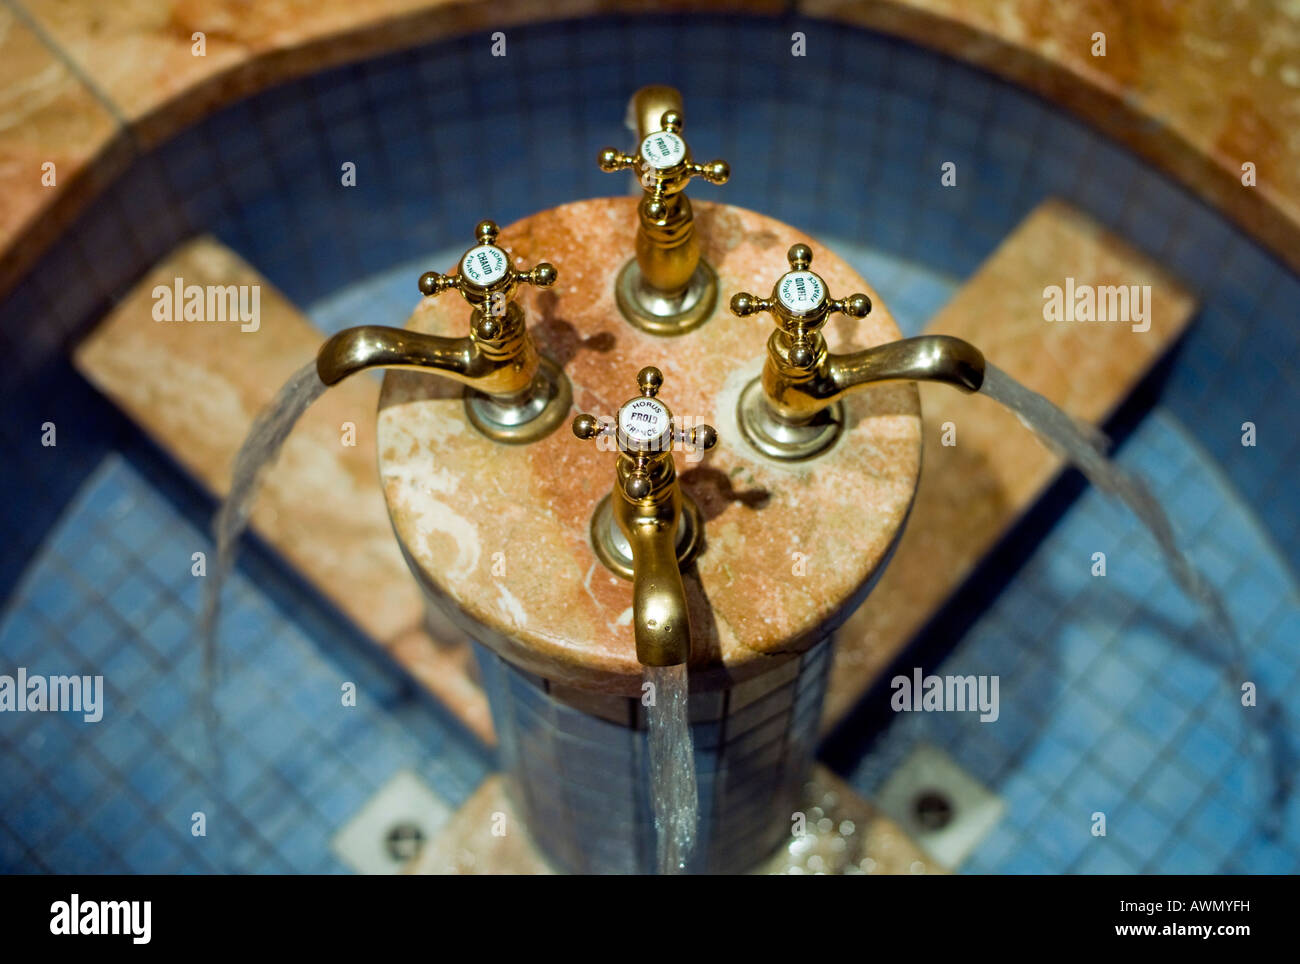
(800, 304)
(487, 279)
(644, 431)
(663, 164)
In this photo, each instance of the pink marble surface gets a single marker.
(499, 533)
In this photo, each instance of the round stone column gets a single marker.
(498, 536)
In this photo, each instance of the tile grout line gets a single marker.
(31, 23)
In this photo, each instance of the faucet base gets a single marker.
(779, 439)
(650, 311)
(612, 548)
(545, 406)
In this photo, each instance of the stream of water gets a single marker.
(673, 793)
(1085, 448)
(257, 454)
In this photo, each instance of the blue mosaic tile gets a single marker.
(1105, 857)
(1188, 857)
(1027, 859)
(1063, 835)
(129, 745)
(76, 853)
(1142, 832)
(1263, 856)
(1169, 733)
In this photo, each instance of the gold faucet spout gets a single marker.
(648, 106)
(514, 395)
(926, 358)
(792, 411)
(375, 346)
(799, 394)
(659, 617)
(646, 530)
(668, 289)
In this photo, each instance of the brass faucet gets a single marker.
(668, 289)
(513, 394)
(793, 411)
(646, 529)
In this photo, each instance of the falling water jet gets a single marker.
(674, 795)
(1085, 448)
(257, 453)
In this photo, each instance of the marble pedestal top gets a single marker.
(498, 534)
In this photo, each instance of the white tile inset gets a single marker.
(942, 807)
(391, 827)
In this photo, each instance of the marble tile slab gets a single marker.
(48, 115)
